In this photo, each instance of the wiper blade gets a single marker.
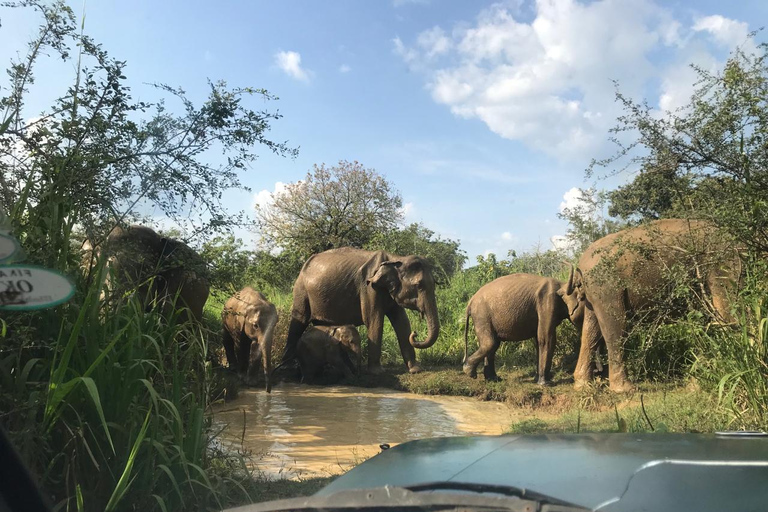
(505, 490)
(418, 498)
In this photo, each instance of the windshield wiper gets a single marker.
(505, 490)
(470, 497)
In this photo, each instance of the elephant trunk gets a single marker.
(433, 325)
(266, 353)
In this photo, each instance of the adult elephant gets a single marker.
(633, 270)
(357, 287)
(518, 307)
(162, 270)
(248, 321)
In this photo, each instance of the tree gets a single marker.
(228, 262)
(344, 205)
(711, 155)
(96, 157)
(587, 219)
(443, 254)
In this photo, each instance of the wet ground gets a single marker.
(307, 431)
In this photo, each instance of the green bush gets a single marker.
(734, 365)
(113, 417)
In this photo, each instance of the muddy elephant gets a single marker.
(159, 268)
(320, 347)
(357, 287)
(248, 321)
(349, 338)
(638, 270)
(518, 307)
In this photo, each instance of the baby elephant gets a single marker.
(328, 345)
(518, 307)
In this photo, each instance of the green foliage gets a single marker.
(734, 365)
(97, 156)
(587, 219)
(705, 160)
(529, 426)
(344, 205)
(114, 415)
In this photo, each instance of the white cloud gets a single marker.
(548, 81)
(434, 42)
(573, 199)
(506, 236)
(344, 68)
(264, 198)
(408, 210)
(727, 32)
(290, 63)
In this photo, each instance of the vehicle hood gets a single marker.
(666, 471)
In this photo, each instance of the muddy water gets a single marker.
(305, 431)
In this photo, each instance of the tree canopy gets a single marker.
(708, 159)
(97, 157)
(343, 205)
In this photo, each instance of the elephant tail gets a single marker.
(467, 315)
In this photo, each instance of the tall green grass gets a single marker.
(113, 415)
(734, 365)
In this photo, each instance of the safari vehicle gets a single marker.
(727, 471)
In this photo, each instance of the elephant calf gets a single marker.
(518, 307)
(349, 337)
(249, 321)
(323, 346)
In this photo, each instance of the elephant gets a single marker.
(518, 307)
(358, 287)
(629, 272)
(322, 346)
(249, 317)
(160, 269)
(349, 338)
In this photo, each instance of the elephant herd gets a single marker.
(617, 277)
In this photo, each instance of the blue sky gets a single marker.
(484, 115)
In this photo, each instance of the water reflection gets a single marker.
(307, 431)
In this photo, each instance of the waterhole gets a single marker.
(300, 431)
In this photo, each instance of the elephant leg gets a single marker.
(590, 336)
(402, 327)
(375, 328)
(486, 339)
(342, 361)
(243, 355)
(489, 370)
(612, 325)
(300, 317)
(545, 343)
(229, 349)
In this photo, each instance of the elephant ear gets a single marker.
(387, 277)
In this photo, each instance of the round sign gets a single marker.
(26, 287)
(9, 247)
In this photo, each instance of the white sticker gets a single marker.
(26, 287)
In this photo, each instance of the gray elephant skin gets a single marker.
(349, 337)
(519, 307)
(249, 320)
(357, 287)
(324, 346)
(630, 271)
(159, 268)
